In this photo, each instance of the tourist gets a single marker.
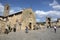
(26, 30)
(34, 27)
(55, 28)
(9, 28)
(14, 29)
(6, 29)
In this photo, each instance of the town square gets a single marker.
(29, 20)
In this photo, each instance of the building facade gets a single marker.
(52, 23)
(48, 21)
(18, 20)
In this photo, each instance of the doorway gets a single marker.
(30, 24)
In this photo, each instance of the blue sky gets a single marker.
(42, 8)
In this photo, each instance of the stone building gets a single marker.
(51, 23)
(48, 21)
(6, 10)
(19, 20)
(2, 25)
(58, 22)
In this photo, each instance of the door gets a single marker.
(30, 24)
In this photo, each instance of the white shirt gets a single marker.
(6, 27)
(55, 27)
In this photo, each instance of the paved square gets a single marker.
(46, 34)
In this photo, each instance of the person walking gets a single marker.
(26, 30)
(6, 30)
(55, 28)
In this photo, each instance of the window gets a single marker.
(30, 13)
(48, 22)
(7, 8)
(49, 19)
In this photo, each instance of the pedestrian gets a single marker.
(55, 28)
(9, 28)
(26, 30)
(34, 27)
(14, 29)
(6, 29)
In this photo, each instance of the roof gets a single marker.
(15, 14)
(11, 15)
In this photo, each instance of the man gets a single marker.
(55, 28)
(6, 29)
(14, 29)
(26, 29)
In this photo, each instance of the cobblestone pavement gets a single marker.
(46, 34)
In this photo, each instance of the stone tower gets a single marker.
(48, 22)
(6, 10)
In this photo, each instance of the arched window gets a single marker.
(49, 19)
(30, 13)
(7, 8)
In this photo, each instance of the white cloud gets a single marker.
(55, 5)
(38, 11)
(48, 13)
(12, 10)
(42, 14)
(1, 8)
(15, 10)
(38, 20)
(54, 12)
(54, 19)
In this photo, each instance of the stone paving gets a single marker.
(46, 34)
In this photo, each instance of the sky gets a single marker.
(41, 8)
